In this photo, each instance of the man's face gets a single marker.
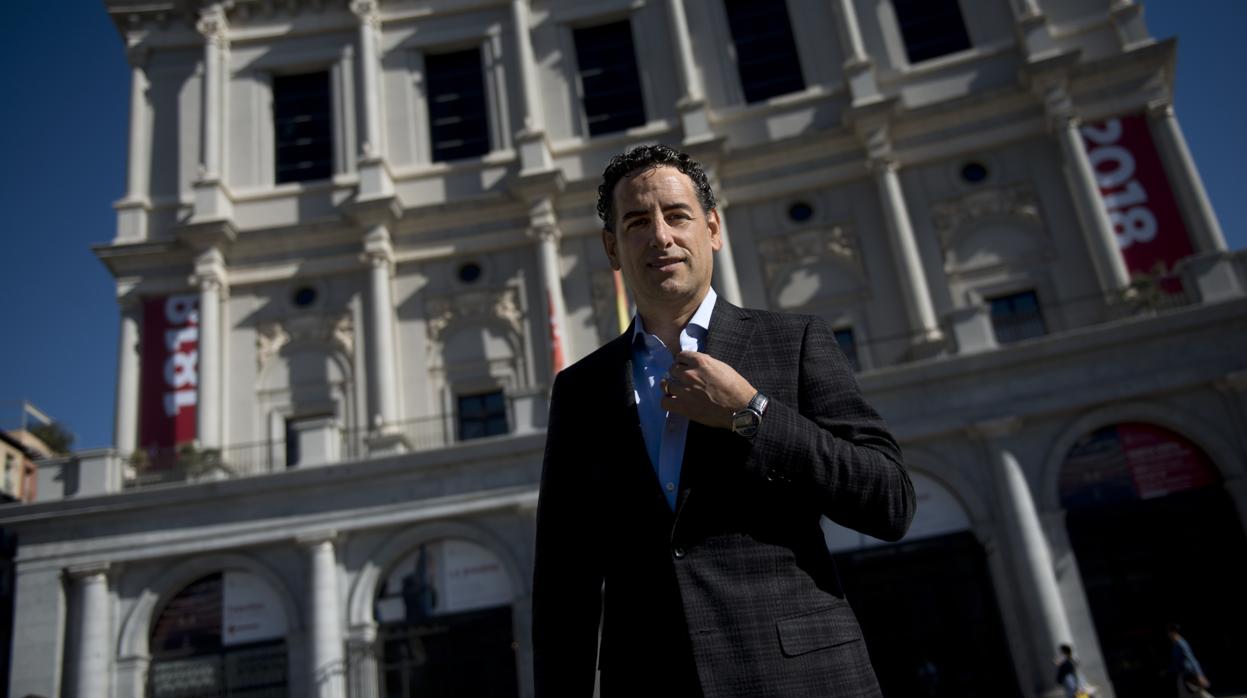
(663, 242)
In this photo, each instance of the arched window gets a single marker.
(221, 635)
(444, 613)
(1158, 540)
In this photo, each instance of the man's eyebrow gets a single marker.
(666, 207)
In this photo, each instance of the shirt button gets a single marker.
(678, 553)
(671, 487)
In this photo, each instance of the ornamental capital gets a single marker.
(213, 23)
(368, 12)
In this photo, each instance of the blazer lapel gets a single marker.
(728, 340)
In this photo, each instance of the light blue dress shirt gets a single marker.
(665, 432)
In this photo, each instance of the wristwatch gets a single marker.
(746, 422)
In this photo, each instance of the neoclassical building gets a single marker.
(358, 239)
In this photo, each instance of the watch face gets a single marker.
(746, 422)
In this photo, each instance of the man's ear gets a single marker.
(612, 252)
(713, 225)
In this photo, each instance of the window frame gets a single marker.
(905, 44)
(644, 87)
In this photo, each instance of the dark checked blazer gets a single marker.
(733, 594)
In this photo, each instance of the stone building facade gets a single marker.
(359, 237)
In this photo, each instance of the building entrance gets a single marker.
(445, 622)
(1157, 540)
(929, 615)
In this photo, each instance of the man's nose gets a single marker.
(662, 234)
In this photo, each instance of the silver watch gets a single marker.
(746, 422)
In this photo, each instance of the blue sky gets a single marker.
(66, 93)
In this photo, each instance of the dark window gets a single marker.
(302, 128)
(931, 28)
(470, 273)
(766, 55)
(482, 415)
(609, 79)
(1016, 317)
(305, 296)
(848, 345)
(974, 172)
(800, 212)
(458, 126)
(191, 657)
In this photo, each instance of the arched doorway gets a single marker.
(1157, 540)
(444, 614)
(926, 605)
(222, 635)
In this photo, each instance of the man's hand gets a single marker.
(705, 389)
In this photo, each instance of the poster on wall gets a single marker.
(1136, 193)
(250, 610)
(442, 578)
(1129, 462)
(169, 381)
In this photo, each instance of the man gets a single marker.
(1183, 666)
(687, 464)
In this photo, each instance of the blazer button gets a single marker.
(678, 553)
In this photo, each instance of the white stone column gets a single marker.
(859, 71)
(1031, 556)
(689, 77)
(210, 275)
(132, 209)
(1185, 180)
(534, 152)
(913, 278)
(92, 638)
(125, 420)
(1100, 237)
(140, 129)
(369, 69)
(213, 26)
(212, 201)
(382, 368)
(363, 661)
(544, 229)
(727, 284)
(326, 662)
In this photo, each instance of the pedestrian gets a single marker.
(1069, 677)
(1184, 668)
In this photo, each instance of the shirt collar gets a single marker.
(700, 319)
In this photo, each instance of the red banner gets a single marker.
(170, 373)
(1136, 193)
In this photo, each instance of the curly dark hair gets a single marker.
(644, 157)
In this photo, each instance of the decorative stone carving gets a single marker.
(486, 304)
(272, 337)
(951, 216)
(807, 247)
